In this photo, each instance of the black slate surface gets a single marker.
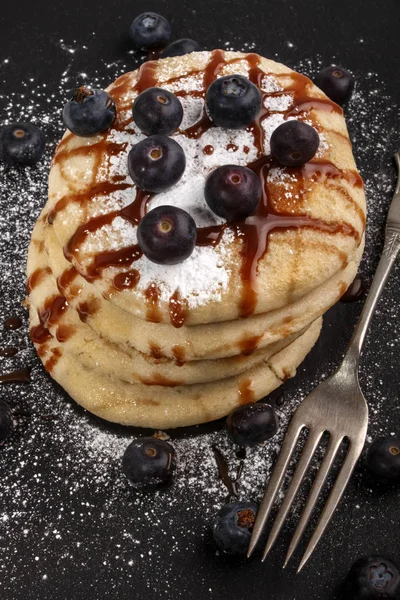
(66, 533)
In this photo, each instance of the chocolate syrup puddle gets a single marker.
(9, 351)
(18, 376)
(13, 323)
(280, 399)
(223, 471)
(355, 291)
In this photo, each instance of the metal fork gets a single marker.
(336, 406)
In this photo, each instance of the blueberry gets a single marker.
(383, 460)
(252, 424)
(167, 235)
(233, 526)
(21, 144)
(233, 102)
(89, 112)
(156, 163)
(233, 192)
(336, 82)
(294, 143)
(6, 422)
(149, 463)
(372, 578)
(150, 31)
(180, 47)
(157, 111)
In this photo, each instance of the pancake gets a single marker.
(212, 341)
(117, 361)
(167, 407)
(166, 346)
(311, 221)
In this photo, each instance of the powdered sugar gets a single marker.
(192, 111)
(278, 103)
(200, 278)
(270, 84)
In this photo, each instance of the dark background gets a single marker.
(363, 37)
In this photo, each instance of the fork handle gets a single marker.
(390, 251)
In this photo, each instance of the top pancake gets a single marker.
(312, 218)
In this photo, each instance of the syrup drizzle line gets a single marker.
(223, 471)
(254, 230)
(17, 376)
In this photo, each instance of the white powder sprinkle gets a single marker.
(270, 84)
(278, 103)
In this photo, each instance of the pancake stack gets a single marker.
(166, 346)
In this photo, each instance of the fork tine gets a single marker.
(331, 451)
(305, 459)
(289, 443)
(334, 497)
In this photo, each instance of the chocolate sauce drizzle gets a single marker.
(18, 376)
(13, 323)
(355, 291)
(36, 278)
(223, 471)
(253, 231)
(9, 351)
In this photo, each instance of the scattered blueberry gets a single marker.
(232, 192)
(383, 460)
(150, 31)
(157, 111)
(373, 578)
(233, 102)
(156, 163)
(180, 47)
(336, 82)
(252, 424)
(21, 144)
(167, 235)
(148, 463)
(233, 526)
(294, 143)
(6, 422)
(89, 112)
